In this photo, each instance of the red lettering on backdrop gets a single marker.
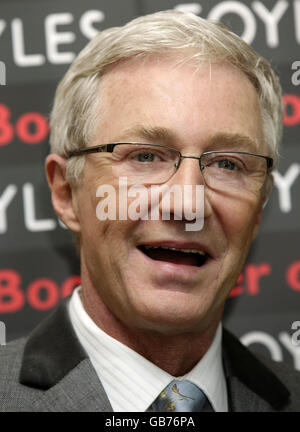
(41, 294)
(23, 127)
(293, 275)
(6, 129)
(34, 294)
(293, 101)
(11, 296)
(253, 274)
(249, 280)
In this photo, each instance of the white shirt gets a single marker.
(132, 382)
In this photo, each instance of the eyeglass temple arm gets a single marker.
(95, 149)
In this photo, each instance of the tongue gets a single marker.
(174, 257)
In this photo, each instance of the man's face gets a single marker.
(188, 110)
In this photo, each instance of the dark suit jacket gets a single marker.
(50, 371)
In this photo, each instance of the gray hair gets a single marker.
(76, 107)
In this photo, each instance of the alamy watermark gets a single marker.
(2, 333)
(138, 202)
(2, 73)
(296, 335)
(296, 75)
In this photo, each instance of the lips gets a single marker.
(188, 255)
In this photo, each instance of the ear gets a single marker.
(268, 186)
(61, 192)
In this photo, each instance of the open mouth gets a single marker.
(190, 257)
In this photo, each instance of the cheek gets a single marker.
(238, 218)
(236, 221)
(97, 179)
(101, 231)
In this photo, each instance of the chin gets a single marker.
(171, 317)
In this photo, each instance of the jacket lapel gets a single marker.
(55, 362)
(252, 387)
(79, 391)
(243, 399)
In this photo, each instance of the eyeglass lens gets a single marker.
(146, 164)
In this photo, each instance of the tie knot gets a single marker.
(179, 396)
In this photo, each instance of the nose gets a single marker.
(189, 200)
(189, 171)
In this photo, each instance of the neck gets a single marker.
(176, 354)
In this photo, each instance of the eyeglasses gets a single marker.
(156, 164)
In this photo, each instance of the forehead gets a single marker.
(194, 102)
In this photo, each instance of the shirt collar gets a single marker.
(131, 381)
(208, 374)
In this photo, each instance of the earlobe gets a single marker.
(61, 191)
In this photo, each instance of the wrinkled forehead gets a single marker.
(142, 90)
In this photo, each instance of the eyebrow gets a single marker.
(153, 133)
(222, 140)
(233, 141)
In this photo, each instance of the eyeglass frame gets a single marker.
(110, 147)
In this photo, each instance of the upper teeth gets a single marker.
(179, 250)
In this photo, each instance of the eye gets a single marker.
(226, 164)
(144, 157)
(132, 153)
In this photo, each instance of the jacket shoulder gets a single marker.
(275, 383)
(10, 359)
(13, 395)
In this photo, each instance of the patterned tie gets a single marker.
(178, 396)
